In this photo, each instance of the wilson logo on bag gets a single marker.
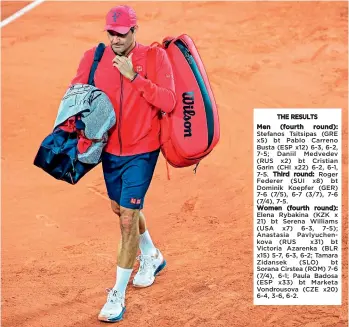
(191, 131)
(188, 111)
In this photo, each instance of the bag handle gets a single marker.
(97, 58)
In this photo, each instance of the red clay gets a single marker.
(8, 8)
(59, 241)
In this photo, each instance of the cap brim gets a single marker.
(117, 28)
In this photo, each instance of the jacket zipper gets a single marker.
(120, 118)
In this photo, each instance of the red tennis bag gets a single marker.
(191, 131)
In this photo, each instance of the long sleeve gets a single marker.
(161, 92)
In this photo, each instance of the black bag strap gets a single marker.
(97, 58)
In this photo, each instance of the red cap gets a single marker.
(120, 19)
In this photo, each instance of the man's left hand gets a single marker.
(125, 66)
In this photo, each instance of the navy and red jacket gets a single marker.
(136, 103)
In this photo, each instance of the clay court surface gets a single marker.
(59, 241)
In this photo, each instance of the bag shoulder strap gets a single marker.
(97, 58)
(151, 63)
(151, 74)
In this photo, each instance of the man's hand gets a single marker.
(124, 64)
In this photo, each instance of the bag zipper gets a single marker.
(120, 114)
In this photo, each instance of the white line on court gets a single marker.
(21, 12)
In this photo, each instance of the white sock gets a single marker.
(146, 244)
(122, 278)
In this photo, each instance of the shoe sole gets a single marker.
(116, 319)
(157, 271)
